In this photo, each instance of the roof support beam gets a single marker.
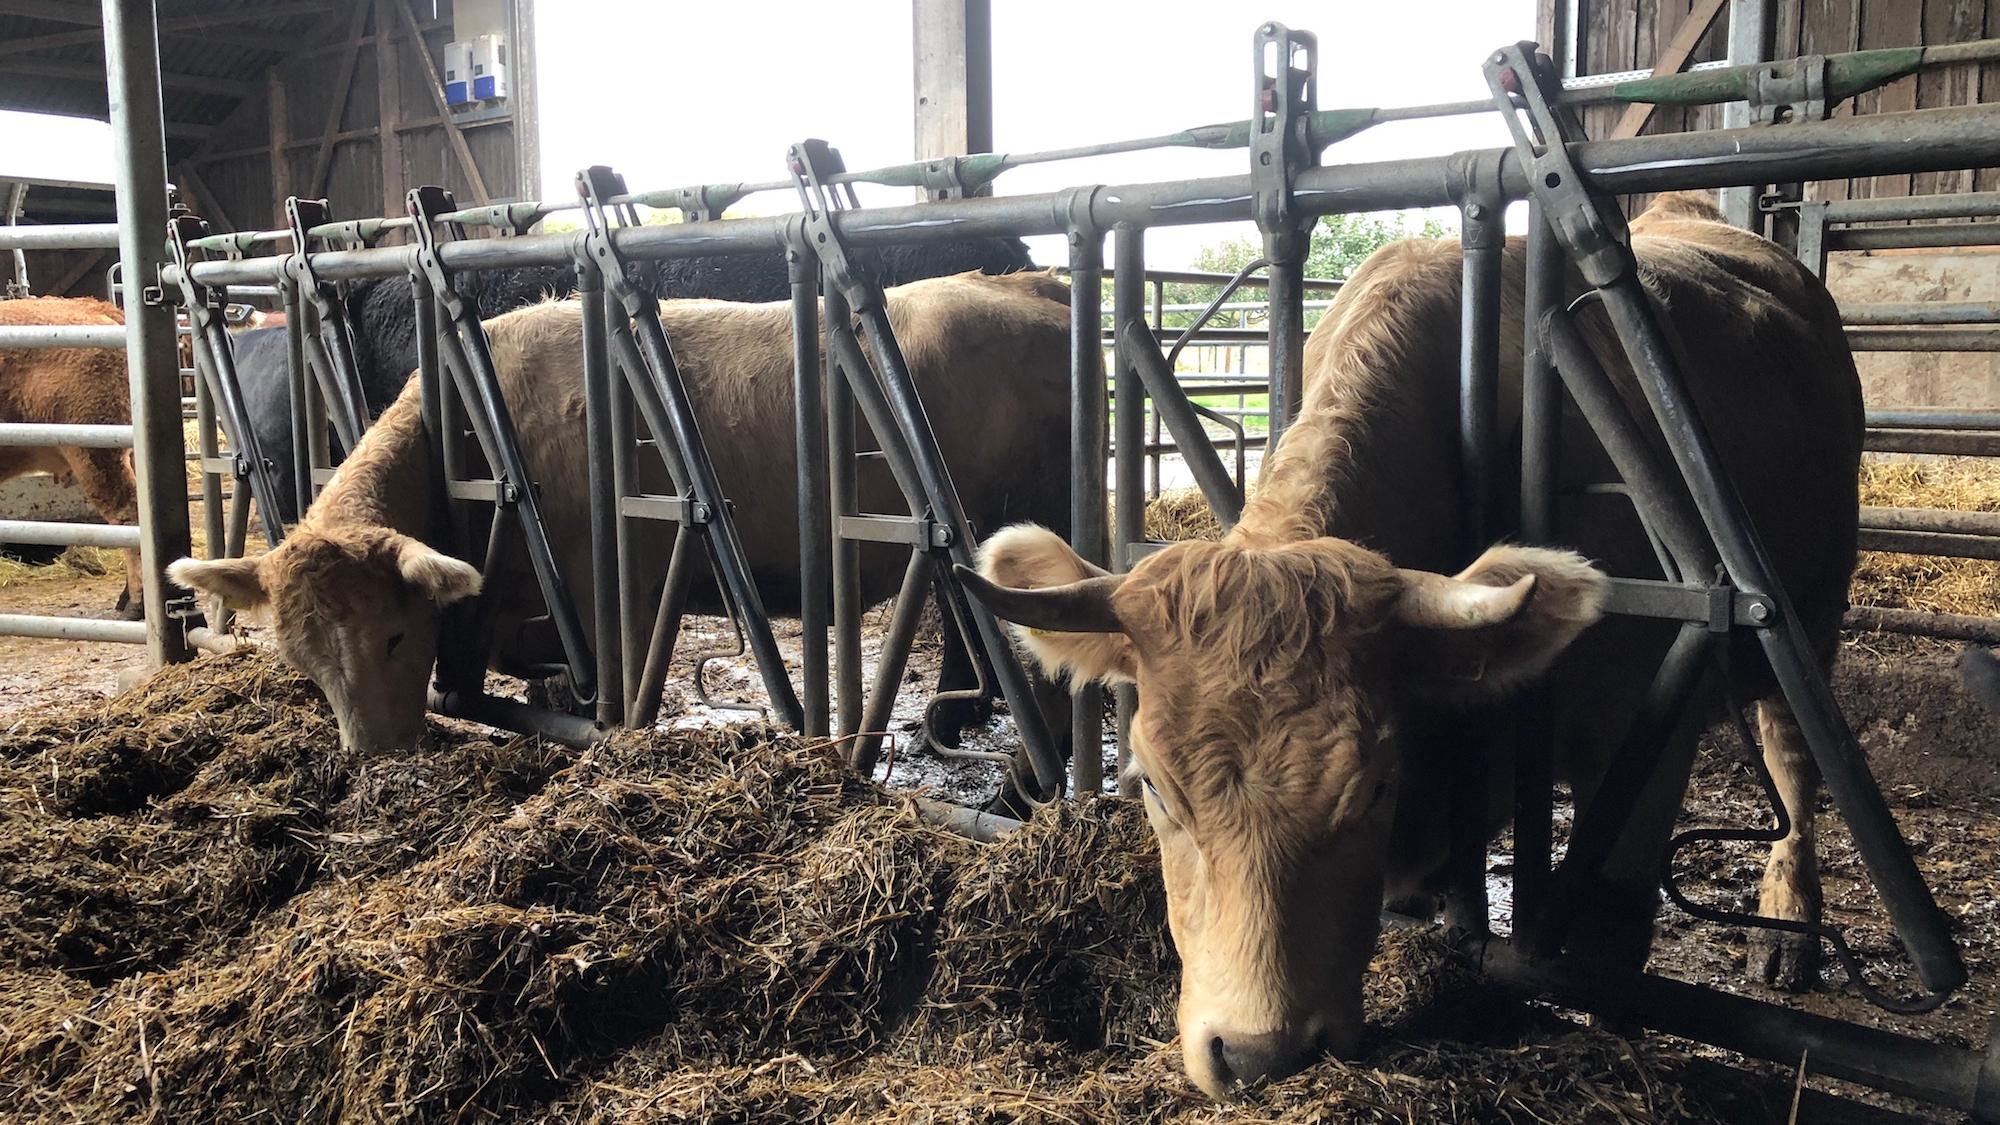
(336, 106)
(85, 72)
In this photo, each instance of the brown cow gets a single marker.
(353, 590)
(73, 385)
(1299, 693)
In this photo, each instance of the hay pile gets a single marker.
(211, 913)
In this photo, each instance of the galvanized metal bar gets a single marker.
(1089, 441)
(814, 505)
(1949, 626)
(298, 397)
(645, 707)
(61, 236)
(1921, 312)
(212, 507)
(1139, 351)
(890, 660)
(1922, 418)
(1930, 519)
(1958, 205)
(74, 434)
(1903, 238)
(1958, 443)
(1128, 522)
(1924, 339)
(63, 336)
(55, 533)
(606, 609)
(132, 70)
(624, 438)
(72, 628)
(1876, 144)
(843, 502)
(507, 714)
(1953, 545)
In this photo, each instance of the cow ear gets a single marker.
(436, 575)
(1496, 625)
(235, 581)
(1059, 605)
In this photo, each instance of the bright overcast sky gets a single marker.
(674, 94)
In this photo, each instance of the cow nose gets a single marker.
(1246, 1060)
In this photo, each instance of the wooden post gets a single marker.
(389, 106)
(281, 134)
(527, 103)
(953, 48)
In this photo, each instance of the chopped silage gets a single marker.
(212, 913)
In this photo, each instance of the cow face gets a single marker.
(355, 610)
(1267, 679)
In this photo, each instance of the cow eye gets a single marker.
(1159, 802)
(393, 643)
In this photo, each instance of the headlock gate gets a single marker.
(1720, 582)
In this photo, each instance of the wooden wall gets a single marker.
(1616, 35)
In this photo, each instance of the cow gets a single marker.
(1303, 683)
(352, 593)
(383, 317)
(73, 386)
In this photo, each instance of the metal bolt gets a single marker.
(1475, 211)
(1760, 612)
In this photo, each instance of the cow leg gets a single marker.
(105, 478)
(1791, 888)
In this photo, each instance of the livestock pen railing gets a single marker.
(1286, 187)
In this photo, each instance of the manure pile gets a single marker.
(210, 913)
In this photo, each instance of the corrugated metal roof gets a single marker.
(213, 53)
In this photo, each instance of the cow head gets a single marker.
(1267, 680)
(356, 610)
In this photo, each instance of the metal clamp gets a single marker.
(813, 164)
(1287, 66)
(596, 186)
(702, 203)
(424, 205)
(943, 179)
(1788, 91)
(1590, 228)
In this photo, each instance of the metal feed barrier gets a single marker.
(1567, 178)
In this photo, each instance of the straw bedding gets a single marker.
(211, 913)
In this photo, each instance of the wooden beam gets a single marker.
(1686, 37)
(82, 269)
(389, 107)
(255, 40)
(198, 83)
(451, 129)
(952, 42)
(188, 131)
(280, 127)
(50, 10)
(336, 108)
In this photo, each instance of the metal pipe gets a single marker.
(212, 641)
(890, 660)
(1933, 419)
(1957, 443)
(1285, 252)
(62, 236)
(507, 714)
(1944, 544)
(72, 628)
(1876, 144)
(1139, 351)
(58, 534)
(1950, 626)
(843, 501)
(1128, 521)
(1959, 205)
(1930, 519)
(814, 506)
(1089, 439)
(645, 709)
(1924, 339)
(210, 451)
(1922, 312)
(1903, 238)
(63, 336)
(296, 394)
(132, 71)
(604, 602)
(77, 435)
(1912, 910)
(1949, 1076)
(975, 824)
(624, 437)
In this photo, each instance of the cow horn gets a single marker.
(1083, 606)
(1434, 601)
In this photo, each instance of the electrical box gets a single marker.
(458, 73)
(489, 67)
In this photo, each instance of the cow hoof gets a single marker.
(129, 609)
(555, 694)
(1787, 962)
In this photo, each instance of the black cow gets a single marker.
(384, 317)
